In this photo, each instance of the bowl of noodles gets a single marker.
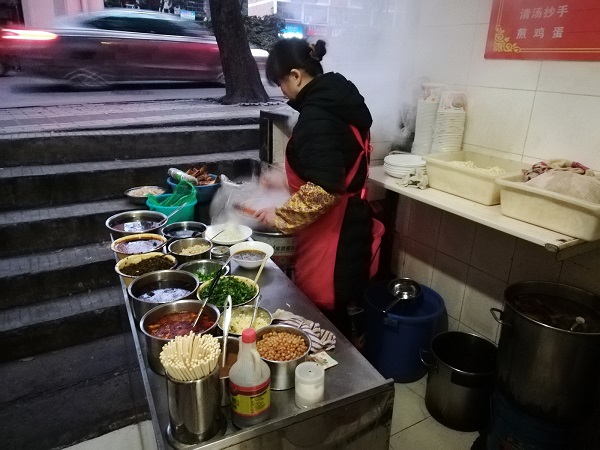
(242, 316)
(227, 233)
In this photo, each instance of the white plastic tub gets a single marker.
(466, 182)
(547, 209)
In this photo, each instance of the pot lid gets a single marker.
(557, 312)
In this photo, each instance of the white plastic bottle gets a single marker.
(249, 384)
(179, 175)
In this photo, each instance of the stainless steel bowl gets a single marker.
(134, 222)
(175, 248)
(187, 229)
(220, 304)
(160, 279)
(134, 259)
(137, 244)
(141, 200)
(155, 344)
(204, 269)
(283, 373)
(246, 312)
(405, 292)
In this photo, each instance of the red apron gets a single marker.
(316, 245)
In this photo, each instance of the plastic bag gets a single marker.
(184, 193)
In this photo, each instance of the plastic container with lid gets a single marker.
(309, 384)
(249, 384)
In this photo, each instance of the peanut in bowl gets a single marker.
(283, 348)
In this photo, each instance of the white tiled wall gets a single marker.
(531, 109)
(471, 265)
(522, 110)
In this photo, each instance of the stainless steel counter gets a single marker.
(356, 412)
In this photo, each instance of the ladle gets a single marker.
(226, 323)
(209, 292)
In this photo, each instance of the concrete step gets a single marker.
(60, 398)
(39, 277)
(61, 322)
(29, 231)
(101, 145)
(58, 184)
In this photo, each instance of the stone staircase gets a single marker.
(62, 307)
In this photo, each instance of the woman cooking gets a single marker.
(327, 159)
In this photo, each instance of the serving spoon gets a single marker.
(226, 323)
(209, 292)
(256, 302)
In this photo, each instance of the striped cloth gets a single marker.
(320, 339)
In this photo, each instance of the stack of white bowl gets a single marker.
(427, 108)
(424, 126)
(449, 122)
(399, 165)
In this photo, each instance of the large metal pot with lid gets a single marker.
(549, 349)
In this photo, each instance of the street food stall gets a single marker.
(356, 411)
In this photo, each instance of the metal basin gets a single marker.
(177, 247)
(204, 269)
(187, 229)
(155, 344)
(283, 373)
(134, 222)
(161, 279)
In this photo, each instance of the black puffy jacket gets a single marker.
(322, 149)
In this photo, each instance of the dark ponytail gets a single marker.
(294, 53)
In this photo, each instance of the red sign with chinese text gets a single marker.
(544, 29)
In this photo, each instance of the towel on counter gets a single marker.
(556, 164)
(320, 339)
(416, 178)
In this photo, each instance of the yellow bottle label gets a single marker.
(250, 401)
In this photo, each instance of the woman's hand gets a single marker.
(266, 216)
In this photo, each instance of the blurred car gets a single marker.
(8, 58)
(96, 49)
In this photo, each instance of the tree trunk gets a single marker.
(242, 79)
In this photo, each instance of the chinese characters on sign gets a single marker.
(544, 29)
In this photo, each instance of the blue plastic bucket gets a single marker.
(204, 194)
(515, 429)
(394, 339)
(183, 215)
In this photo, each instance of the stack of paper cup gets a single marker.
(427, 108)
(450, 122)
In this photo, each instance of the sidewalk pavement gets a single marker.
(113, 116)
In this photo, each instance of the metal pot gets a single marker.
(155, 344)
(160, 279)
(461, 380)
(284, 247)
(549, 349)
(283, 373)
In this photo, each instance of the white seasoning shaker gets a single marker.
(310, 384)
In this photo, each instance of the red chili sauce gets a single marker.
(179, 324)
